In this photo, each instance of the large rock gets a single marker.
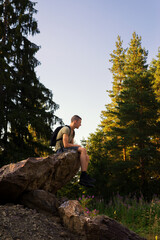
(105, 228)
(99, 227)
(73, 216)
(42, 201)
(49, 174)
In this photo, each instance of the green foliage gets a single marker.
(71, 190)
(125, 149)
(136, 57)
(109, 119)
(156, 83)
(87, 204)
(26, 105)
(137, 111)
(136, 214)
(155, 71)
(99, 166)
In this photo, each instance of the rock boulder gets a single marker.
(105, 228)
(93, 228)
(49, 174)
(40, 200)
(73, 216)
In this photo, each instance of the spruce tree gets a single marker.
(156, 84)
(137, 112)
(26, 105)
(155, 71)
(129, 126)
(103, 146)
(108, 117)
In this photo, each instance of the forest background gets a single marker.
(125, 148)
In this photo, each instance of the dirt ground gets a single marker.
(19, 223)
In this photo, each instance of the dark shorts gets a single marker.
(66, 149)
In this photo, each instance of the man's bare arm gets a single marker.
(67, 144)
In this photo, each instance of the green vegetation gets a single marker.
(26, 105)
(87, 204)
(125, 149)
(139, 216)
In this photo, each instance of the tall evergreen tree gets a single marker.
(117, 69)
(137, 111)
(108, 117)
(129, 126)
(26, 105)
(136, 57)
(155, 70)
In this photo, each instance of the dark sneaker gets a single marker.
(90, 179)
(87, 178)
(84, 180)
(85, 183)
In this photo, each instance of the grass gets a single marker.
(139, 216)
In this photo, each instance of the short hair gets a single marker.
(75, 118)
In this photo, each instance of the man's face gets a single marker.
(78, 123)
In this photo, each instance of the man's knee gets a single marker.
(82, 150)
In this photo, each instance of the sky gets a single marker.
(76, 39)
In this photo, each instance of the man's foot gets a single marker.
(87, 177)
(86, 180)
(92, 180)
(85, 183)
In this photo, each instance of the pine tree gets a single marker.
(26, 108)
(155, 70)
(156, 84)
(136, 57)
(117, 69)
(99, 166)
(129, 126)
(109, 118)
(137, 111)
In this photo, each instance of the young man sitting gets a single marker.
(65, 141)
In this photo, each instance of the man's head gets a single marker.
(76, 121)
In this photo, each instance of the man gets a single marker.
(65, 141)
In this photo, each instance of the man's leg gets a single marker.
(84, 159)
(85, 179)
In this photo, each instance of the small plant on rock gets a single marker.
(86, 203)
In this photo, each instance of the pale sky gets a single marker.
(77, 38)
